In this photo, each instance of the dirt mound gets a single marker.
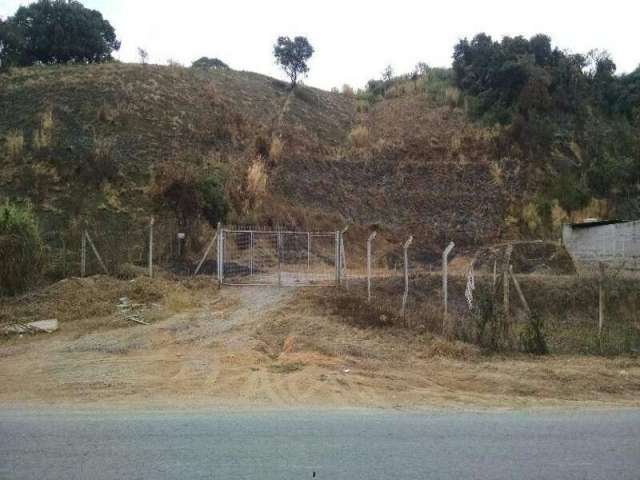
(85, 298)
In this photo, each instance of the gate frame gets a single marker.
(338, 260)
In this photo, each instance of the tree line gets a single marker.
(571, 107)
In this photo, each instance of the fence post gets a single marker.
(337, 258)
(505, 301)
(251, 240)
(151, 222)
(83, 254)
(220, 254)
(406, 274)
(523, 300)
(206, 254)
(308, 252)
(279, 248)
(343, 257)
(445, 279)
(96, 253)
(369, 242)
(601, 301)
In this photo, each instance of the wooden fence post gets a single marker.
(96, 253)
(519, 291)
(206, 253)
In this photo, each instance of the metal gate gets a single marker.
(284, 258)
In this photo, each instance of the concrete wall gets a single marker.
(616, 244)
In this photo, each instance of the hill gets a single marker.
(98, 142)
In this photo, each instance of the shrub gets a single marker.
(532, 338)
(359, 136)
(189, 196)
(206, 63)
(21, 249)
(213, 204)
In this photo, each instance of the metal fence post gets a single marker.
(369, 241)
(406, 274)
(445, 292)
(151, 222)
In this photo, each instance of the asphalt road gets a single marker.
(352, 444)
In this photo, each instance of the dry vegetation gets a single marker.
(271, 347)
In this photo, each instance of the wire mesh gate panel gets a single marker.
(255, 257)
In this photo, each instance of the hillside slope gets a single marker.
(86, 142)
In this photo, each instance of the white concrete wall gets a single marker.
(616, 245)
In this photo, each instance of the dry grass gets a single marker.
(275, 149)
(43, 136)
(452, 97)
(359, 137)
(77, 299)
(256, 188)
(15, 144)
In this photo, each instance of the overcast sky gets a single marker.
(355, 40)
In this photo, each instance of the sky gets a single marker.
(354, 40)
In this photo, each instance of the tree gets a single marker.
(56, 31)
(387, 73)
(292, 56)
(206, 63)
(421, 69)
(143, 55)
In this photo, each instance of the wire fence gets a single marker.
(498, 297)
(518, 295)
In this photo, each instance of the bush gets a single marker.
(359, 137)
(213, 204)
(21, 249)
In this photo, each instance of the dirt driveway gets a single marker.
(275, 347)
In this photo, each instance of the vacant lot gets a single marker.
(243, 347)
